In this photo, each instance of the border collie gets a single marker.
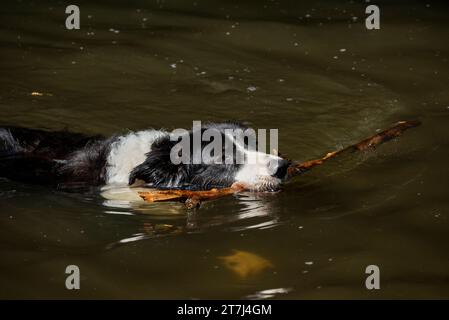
(70, 161)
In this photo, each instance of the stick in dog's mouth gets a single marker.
(192, 199)
(366, 144)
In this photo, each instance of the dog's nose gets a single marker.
(281, 170)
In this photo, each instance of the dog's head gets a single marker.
(218, 158)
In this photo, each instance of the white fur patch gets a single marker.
(128, 152)
(257, 165)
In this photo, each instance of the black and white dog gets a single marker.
(70, 161)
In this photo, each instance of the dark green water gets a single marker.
(320, 77)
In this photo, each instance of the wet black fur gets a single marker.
(159, 171)
(61, 159)
(71, 161)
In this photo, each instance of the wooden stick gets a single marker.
(368, 143)
(193, 199)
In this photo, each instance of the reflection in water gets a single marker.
(150, 231)
(247, 211)
(269, 293)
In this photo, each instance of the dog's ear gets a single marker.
(158, 170)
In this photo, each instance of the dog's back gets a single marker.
(38, 156)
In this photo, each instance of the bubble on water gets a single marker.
(309, 263)
(342, 50)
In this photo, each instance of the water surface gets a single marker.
(311, 70)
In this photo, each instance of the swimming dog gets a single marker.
(70, 161)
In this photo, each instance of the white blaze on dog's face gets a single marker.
(261, 171)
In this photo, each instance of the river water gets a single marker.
(311, 70)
